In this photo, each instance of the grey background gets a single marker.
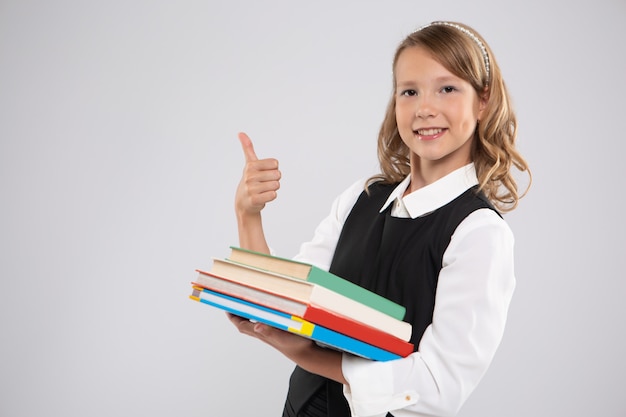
(119, 160)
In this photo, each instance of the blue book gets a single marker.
(321, 335)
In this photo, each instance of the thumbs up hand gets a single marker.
(259, 183)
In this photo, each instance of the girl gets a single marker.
(426, 232)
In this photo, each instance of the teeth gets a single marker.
(429, 132)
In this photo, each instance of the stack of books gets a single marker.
(305, 300)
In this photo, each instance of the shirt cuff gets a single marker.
(370, 389)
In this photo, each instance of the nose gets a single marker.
(424, 108)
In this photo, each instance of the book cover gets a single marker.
(309, 312)
(318, 276)
(290, 323)
(310, 293)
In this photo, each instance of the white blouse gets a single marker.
(474, 290)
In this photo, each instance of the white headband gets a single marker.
(470, 35)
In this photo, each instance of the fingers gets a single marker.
(248, 327)
(250, 155)
(238, 321)
(258, 188)
(248, 149)
(289, 344)
(260, 181)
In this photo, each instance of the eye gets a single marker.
(408, 93)
(448, 89)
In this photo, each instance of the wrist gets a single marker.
(320, 360)
(251, 234)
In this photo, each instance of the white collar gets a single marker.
(435, 195)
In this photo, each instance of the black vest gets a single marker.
(399, 258)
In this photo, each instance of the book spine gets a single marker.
(354, 291)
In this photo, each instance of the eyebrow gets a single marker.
(439, 80)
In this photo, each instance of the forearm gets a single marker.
(251, 234)
(304, 352)
(320, 361)
(258, 186)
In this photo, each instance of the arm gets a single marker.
(302, 351)
(258, 186)
(318, 251)
(473, 294)
(259, 183)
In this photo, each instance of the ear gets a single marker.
(483, 99)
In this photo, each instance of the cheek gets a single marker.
(404, 116)
(468, 119)
(404, 122)
(469, 124)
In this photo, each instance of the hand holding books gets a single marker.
(332, 311)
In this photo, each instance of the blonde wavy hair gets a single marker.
(493, 152)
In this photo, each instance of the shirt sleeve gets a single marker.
(320, 250)
(474, 290)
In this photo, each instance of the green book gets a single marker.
(313, 274)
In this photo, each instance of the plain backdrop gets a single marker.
(119, 160)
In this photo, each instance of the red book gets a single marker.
(309, 312)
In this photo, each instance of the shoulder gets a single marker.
(364, 192)
(348, 197)
(487, 225)
(484, 244)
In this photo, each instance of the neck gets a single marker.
(425, 172)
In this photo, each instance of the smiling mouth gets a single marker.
(428, 132)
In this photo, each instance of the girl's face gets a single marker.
(436, 113)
